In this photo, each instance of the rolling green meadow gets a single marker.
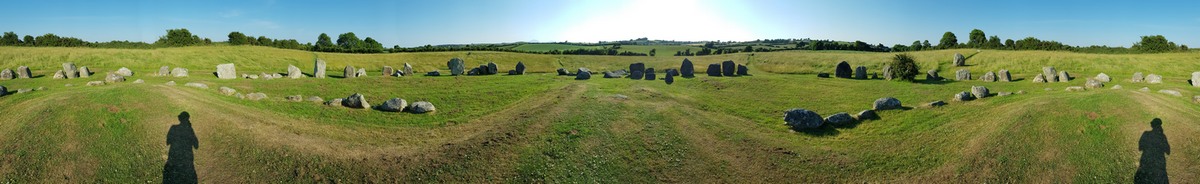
(544, 128)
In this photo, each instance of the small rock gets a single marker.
(800, 119)
(393, 105)
(963, 96)
(113, 78)
(1039, 79)
(1093, 84)
(315, 99)
(938, 103)
(356, 101)
(124, 72)
(1102, 77)
(139, 81)
(256, 96)
(583, 74)
(1118, 86)
(980, 92)
(886, 103)
(421, 107)
(1004, 93)
(179, 72)
(823, 75)
(867, 115)
(95, 83)
(1144, 89)
(1154, 79)
(226, 90)
(1021, 92)
(1137, 77)
(1075, 88)
(838, 119)
(170, 83)
(562, 71)
(333, 102)
(226, 71)
(1170, 92)
(196, 85)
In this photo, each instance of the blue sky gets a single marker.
(414, 23)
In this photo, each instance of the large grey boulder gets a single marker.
(867, 115)
(1154, 79)
(686, 70)
(23, 72)
(980, 92)
(409, 71)
(1050, 74)
(421, 107)
(113, 78)
(959, 60)
(226, 90)
(1039, 79)
(1093, 83)
(649, 74)
(728, 67)
(226, 71)
(7, 74)
(860, 72)
(839, 119)
(361, 72)
(932, 75)
(1004, 76)
(1063, 76)
(1102, 77)
(393, 105)
(670, 77)
(256, 96)
(887, 73)
(348, 72)
(637, 71)
(583, 74)
(988, 77)
(843, 70)
(962, 75)
(163, 71)
(1137, 77)
(388, 71)
(800, 119)
(294, 72)
(356, 101)
(1195, 79)
(963, 96)
(457, 67)
(84, 72)
(742, 70)
(492, 68)
(70, 70)
(520, 69)
(124, 72)
(179, 72)
(60, 75)
(714, 70)
(319, 68)
(886, 103)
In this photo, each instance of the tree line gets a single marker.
(173, 38)
(979, 40)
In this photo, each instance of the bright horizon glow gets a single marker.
(636, 19)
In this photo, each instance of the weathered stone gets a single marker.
(3, 91)
(474, 71)
(294, 72)
(457, 67)
(1093, 83)
(68, 85)
(519, 70)
(1050, 74)
(670, 78)
(294, 98)
(24, 90)
(266, 75)
(421, 107)
(163, 71)
(84, 72)
(988, 77)
(60, 75)
(887, 73)
(562, 71)
(583, 74)
(932, 75)
(649, 74)
(319, 68)
(124, 72)
(1075, 88)
(610, 74)
(686, 70)
(637, 71)
(226, 71)
(959, 60)
(226, 90)
(348, 72)
(843, 70)
(1020, 92)
(138, 81)
(195, 85)
(886, 103)
(361, 72)
(1118, 86)
(1039, 79)
(1102, 77)
(963, 96)
(1195, 79)
(409, 71)
(860, 72)
(1170, 92)
(728, 67)
(70, 71)
(1003, 93)
(800, 119)
(1144, 89)
(315, 99)
(742, 70)
(492, 68)
(335, 101)
(1154, 79)
(112, 78)
(962, 75)
(714, 70)
(939, 103)
(839, 119)
(250, 76)
(179, 72)
(1137, 77)
(23, 72)
(170, 83)
(7, 74)
(1063, 76)
(388, 71)
(95, 83)
(1194, 98)
(1004, 76)
(393, 105)
(356, 101)
(823, 75)
(256, 96)
(433, 73)
(980, 92)
(867, 115)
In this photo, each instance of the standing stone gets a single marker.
(1039, 79)
(60, 75)
(649, 74)
(3, 91)
(124, 72)
(294, 72)
(980, 91)
(388, 71)
(988, 77)
(714, 70)
(163, 71)
(959, 60)
(393, 105)
(319, 68)
(1004, 76)
(686, 70)
(839, 119)
(1093, 83)
(361, 72)
(348, 72)
(800, 119)
(520, 70)
(492, 68)
(457, 67)
(356, 101)
(1137, 77)
(563, 71)
(179, 72)
(583, 74)
(23, 72)
(408, 69)
(932, 75)
(728, 67)
(742, 70)
(226, 71)
(637, 71)
(1104, 77)
(843, 70)
(84, 72)
(421, 107)
(6, 74)
(1195, 79)
(860, 72)
(1154, 79)
(1063, 76)
(887, 73)
(70, 70)
(1050, 74)
(886, 103)
(670, 78)
(962, 75)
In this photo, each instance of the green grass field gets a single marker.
(542, 128)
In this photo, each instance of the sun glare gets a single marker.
(665, 20)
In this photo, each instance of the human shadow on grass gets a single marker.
(1152, 168)
(181, 138)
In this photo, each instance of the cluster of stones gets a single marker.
(21, 73)
(1001, 76)
(800, 119)
(1150, 79)
(1049, 75)
(727, 69)
(485, 69)
(392, 72)
(844, 70)
(358, 101)
(4, 90)
(639, 71)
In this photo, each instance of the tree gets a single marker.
(916, 45)
(652, 51)
(10, 38)
(977, 39)
(324, 44)
(948, 41)
(264, 41)
(904, 68)
(29, 40)
(350, 43)
(926, 45)
(1155, 44)
(748, 49)
(179, 37)
(1008, 43)
(993, 43)
(237, 38)
(373, 46)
